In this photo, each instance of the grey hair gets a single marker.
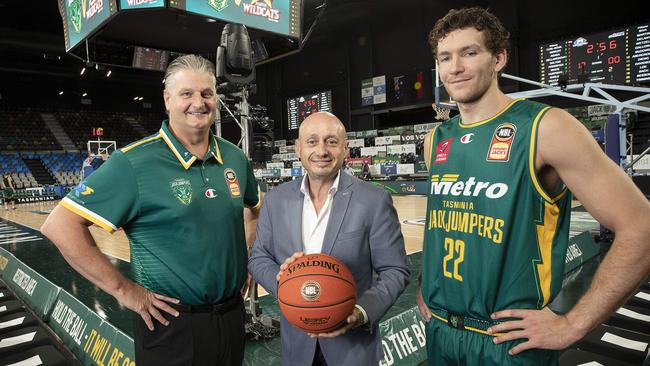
(189, 62)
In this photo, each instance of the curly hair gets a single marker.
(496, 35)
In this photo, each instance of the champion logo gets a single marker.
(211, 193)
(467, 138)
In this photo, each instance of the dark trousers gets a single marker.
(319, 359)
(196, 337)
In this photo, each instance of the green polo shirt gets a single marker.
(183, 215)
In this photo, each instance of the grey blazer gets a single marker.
(364, 233)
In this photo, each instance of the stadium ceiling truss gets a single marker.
(584, 92)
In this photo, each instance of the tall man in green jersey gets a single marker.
(180, 196)
(498, 213)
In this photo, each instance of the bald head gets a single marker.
(322, 145)
(322, 119)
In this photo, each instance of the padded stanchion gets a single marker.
(43, 355)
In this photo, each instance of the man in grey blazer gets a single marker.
(339, 215)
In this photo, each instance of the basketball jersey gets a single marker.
(493, 239)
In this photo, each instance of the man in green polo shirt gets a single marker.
(179, 195)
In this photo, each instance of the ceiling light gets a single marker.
(108, 73)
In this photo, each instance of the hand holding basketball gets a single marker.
(286, 263)
(317, 294)
(354, 320)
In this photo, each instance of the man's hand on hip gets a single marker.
(147, 304)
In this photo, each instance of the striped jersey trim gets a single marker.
(138, 143)
(433, 133)
(258, 205)
(87, 214)
(186, 164)
(475, 124)
(532, 153)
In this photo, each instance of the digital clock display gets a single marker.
(617, 57)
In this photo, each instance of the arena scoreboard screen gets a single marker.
(82, 17)
(150, 59)
(621, 56)
(141, 4)
(276, 16)
(301, 107)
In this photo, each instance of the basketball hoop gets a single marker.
(442, 113)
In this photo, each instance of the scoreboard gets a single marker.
(301, 107)
(620, 56)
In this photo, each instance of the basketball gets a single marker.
(316, 293)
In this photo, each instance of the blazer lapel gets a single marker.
(339, 208)
(295, 220)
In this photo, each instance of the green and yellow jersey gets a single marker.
(494, 239)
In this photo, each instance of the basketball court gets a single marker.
(20, 236)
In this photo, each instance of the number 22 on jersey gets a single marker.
(455, 250)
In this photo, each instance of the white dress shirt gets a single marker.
(313, 224)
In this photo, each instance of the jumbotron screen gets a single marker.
(276, 16)
(82, 17)
(301, 107)
(150, 59)
(621, 56)
(141, 4)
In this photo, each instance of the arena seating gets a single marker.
(23, 129)
(79, 124)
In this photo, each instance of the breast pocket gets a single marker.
(351, 235)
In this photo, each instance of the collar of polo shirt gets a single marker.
(185, 157)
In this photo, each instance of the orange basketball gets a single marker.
(316, 293)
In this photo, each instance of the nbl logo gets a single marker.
(310, 290)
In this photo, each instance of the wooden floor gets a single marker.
(32, 215)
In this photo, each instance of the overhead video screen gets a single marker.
(301, 107)
(276, 16)
(82, 17)
(141, 4)
(621, 56)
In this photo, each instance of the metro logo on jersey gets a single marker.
(502, 141)
(442, 151)
(451, 185)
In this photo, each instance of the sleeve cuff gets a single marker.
(88, 215)
(363, 313)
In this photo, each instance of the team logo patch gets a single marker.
(83, 190)
(501, 143)
(310, 290)
(467, 138)
(210, 193)
(232, 182)
(218, 5)
(442, 151)
(182, 189)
